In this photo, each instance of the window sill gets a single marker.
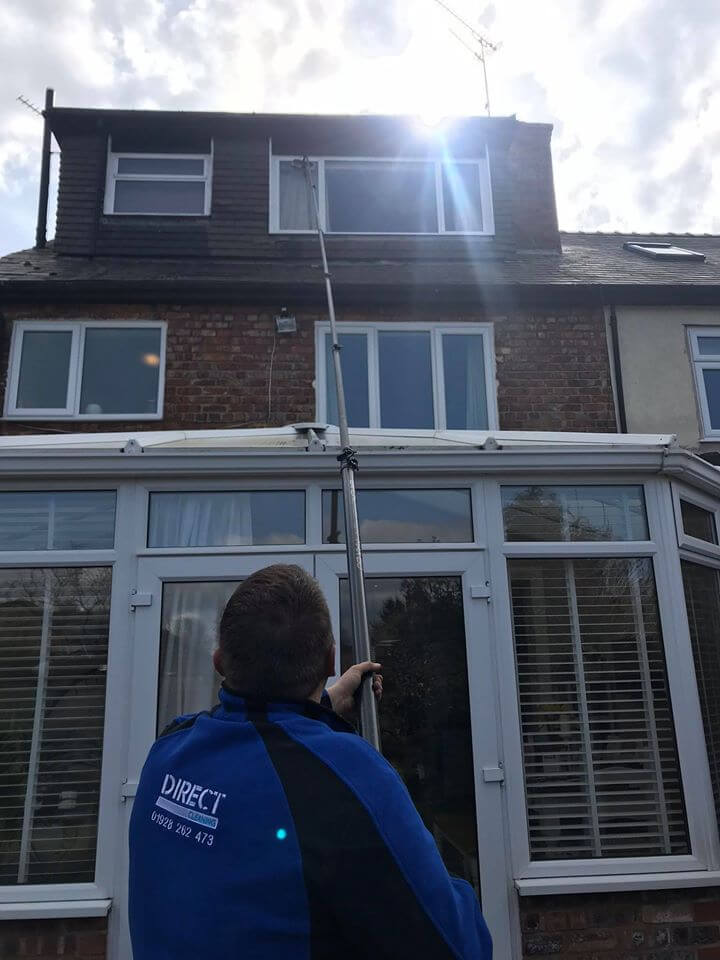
(544, 886)
(54, 909)
(82, 418)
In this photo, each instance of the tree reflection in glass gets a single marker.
(417, 632)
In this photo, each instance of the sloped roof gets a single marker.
(297, 437)
(591, 265)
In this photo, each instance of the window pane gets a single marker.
(698, 522)
(226, 518)
(709, 346)
(574, 513)
(465, 394)
(711, 379)
(44, 370)
(160, 196)
(462, 197)
(191, 615)
(295, 201)
(73, 520)
(406, 386)
(354, 363)
(380, 197)
(157, 166)
(702, 598)
(121, 370)
(601, 769)
(53, 655)
(402, 516)
(418, 633)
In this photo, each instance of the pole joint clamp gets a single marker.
(348, 459)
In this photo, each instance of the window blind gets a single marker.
(601, 770)
(53, 656)
(702, 597)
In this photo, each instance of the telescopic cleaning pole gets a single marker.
(348, 467)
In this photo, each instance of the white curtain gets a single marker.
(296, 205)
(190, 617)
(200, 519)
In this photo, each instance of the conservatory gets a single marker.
(546, 608)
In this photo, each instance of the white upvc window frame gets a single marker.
(482, 163)
(50, 900)
(112, 176)
(661, 549)
(705, 502)
(702, 362)
(437, 331)
(71, 409)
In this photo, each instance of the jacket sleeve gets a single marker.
(448, 903)
(375, 883)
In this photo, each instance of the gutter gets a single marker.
(41, 229)
(617, 370)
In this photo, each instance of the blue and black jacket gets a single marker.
(273, 832)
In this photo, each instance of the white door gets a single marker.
(179, 604)
(429, 628)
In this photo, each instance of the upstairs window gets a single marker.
(86, 370)
(376, 196)
(410, 376)
(705, 353)
(156, 184)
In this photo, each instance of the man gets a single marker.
(267, 829)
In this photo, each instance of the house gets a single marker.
(541, 582)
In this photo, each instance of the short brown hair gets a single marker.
(275, 634)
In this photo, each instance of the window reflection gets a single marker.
(570, 513)
(417, 632)
(402, 516)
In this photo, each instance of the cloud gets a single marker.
(631, 86)
(376, 28)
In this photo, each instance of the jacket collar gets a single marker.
(235, 702)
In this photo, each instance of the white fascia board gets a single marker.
(545, 886)
(693, 470)
(296, 463)
(54, 909)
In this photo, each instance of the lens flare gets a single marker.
(281, 834)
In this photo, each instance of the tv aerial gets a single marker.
(477, 45)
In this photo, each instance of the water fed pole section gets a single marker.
(348, 467)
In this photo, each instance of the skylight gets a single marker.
(663, 251)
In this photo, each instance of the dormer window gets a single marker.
(359, 195)
(158, 184)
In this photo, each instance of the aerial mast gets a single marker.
(482, 46)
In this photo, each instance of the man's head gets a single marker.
(275, 635)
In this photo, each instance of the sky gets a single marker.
(631, 86)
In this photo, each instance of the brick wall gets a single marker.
(659, 925)
(73, 939)
(552, 368)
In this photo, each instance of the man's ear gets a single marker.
(218, 662)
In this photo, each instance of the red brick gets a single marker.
(707, 910)
(552, 369)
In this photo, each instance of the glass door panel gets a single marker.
(417, 632)
(191, 612)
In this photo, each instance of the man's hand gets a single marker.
(342, 692)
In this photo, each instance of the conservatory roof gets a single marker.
(311, 450)
(302, 437)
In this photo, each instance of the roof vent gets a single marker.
(663, 251)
